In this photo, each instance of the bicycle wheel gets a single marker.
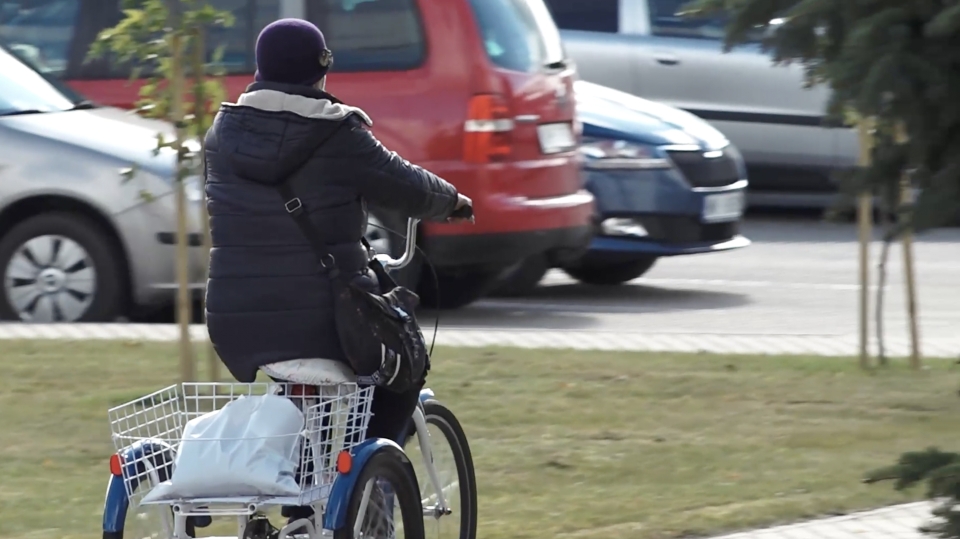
(384, 503)
(149, 522)
(454, 466)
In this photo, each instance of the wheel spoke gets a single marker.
(69, 307)
(21, 268)
(429, 497)
(23, 299)
(55, 246)
(362, 516)
(42, 310)
(83, 281)
(379, 512)
(71, 257)
(40, 251)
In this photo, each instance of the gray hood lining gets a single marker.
(308, 107)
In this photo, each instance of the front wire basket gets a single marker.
(147, 433)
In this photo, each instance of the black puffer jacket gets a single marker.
(266, 301)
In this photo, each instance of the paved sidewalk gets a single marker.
(818, 345)
(896, 522)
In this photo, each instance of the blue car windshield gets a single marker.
(23, 90)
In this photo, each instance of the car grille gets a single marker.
(677, 229)
(700, 171)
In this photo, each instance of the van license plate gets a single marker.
(722, 207)
(556, 138)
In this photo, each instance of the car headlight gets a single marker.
(606, 154)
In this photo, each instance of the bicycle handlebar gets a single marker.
(409, 251)
(410, 248)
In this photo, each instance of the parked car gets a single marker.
(77, 242)
(491, 110)
(666, 184)
(644, 47)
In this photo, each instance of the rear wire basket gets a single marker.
(147, 432)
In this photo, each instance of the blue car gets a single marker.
(666, 184)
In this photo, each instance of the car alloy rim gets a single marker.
(50, 279)
(377, 236)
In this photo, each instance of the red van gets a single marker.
(478, 91)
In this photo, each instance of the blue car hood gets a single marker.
(612, 114)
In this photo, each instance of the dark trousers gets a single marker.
(392, 414)
(392, 419)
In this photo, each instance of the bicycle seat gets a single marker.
(312, 372)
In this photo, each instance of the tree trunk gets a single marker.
(200, 119)
(881, 286)
(184, 303)
(907, 239)
(865, 220)
(906, 211)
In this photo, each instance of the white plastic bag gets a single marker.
(250, 447)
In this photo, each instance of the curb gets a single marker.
(894, 522)
(762, 344)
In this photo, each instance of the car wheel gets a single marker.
(522, 279)
(60, 267)
(611, 273)
(453, 289)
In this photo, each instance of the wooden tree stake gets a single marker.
(184, 303)
(865, 221)
(200, 119)
(906, 197)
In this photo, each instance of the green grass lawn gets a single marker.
(566, 443)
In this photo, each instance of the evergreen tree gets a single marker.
(895, 62)
(941, 471)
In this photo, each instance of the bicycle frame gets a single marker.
(419, 419)
(423, 437)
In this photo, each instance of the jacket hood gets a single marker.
(609, 113)
(270, 132)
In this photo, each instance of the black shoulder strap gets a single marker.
(295, 208)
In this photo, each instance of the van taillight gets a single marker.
(487, 131)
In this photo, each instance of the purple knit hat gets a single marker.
(292, 51)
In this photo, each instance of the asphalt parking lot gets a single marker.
(798, 278)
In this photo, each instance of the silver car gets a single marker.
(645, 48)
(87, 213)
(79, 241)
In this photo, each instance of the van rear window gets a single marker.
(370, 35)
(518, 34)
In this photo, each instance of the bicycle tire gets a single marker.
(444, 419)
(392, 464)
